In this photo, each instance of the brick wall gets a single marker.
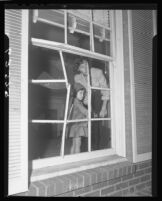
(120, 179)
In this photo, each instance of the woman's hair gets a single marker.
(77, 62)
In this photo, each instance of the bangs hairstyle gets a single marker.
(74, 91)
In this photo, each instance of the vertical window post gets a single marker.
(89, 111)
(65, 22)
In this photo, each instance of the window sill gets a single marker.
(59, 170)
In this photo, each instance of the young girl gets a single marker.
(79, 129)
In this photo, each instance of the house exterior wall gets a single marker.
(120, 179)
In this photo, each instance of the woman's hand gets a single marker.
(103, 112)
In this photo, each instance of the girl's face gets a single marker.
(83, 68)
(80, 95)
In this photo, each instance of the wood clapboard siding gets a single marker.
(142, 30)
(17, 180)
(13, 27)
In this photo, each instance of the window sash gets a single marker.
(64, 47)
(90, 20)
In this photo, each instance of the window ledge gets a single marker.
(59, 170)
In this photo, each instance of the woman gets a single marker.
(99, 97)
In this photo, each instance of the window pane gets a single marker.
(100, 135)
(47, 31)
(78, 33)
(98, 97)
(101, 40)
(84, 12)
(101, 17)
(76, 138)
(99, 73)
(45, 64)
(70, 63)
(47, 101)
(44, 140)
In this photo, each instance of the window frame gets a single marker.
(115, 71)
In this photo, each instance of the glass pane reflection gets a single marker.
(47, 101)
(44, 140)
(45, 64)
(98, 99)
(76, 140)
(101, 40)
(100, 135)
(78, 33)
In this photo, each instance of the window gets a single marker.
(59, 40)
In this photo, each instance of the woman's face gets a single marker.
(80, 95)
(83, 68)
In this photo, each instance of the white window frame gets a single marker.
(117, 90)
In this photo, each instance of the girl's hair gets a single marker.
(75, 91)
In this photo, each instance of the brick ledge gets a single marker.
(60, 170)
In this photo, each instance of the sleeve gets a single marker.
(103, 83)
(81, 108)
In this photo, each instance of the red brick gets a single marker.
(49, 186)
(129, 169)
(86, 178)
(100, 185)
(114, 181)
(104, 173)
(124, 170)
(99, 175)
(144, 165)
(140, 186)
(134, 167)
(111, 174)
(41, 188)
(148, 170)
(116, 172)
(104, 176)
(93, 176)
(120, 172)
(66, 183)
(73, 181)
(148, 183)
(131, 190)
(82, 190)
(68, 194)
(125, 192)
(59, 187)
(145, 178)
(117, 194)
(107, 190)
(80, 180)
(139, 173)
(130, 176)
(134, 181)
(121, 185)
(92, 194)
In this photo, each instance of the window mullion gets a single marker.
(89, 112)
(91, 33)
(66, 106)
(65, 120)
(65, 22)
(112, 35)
(63, 66)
